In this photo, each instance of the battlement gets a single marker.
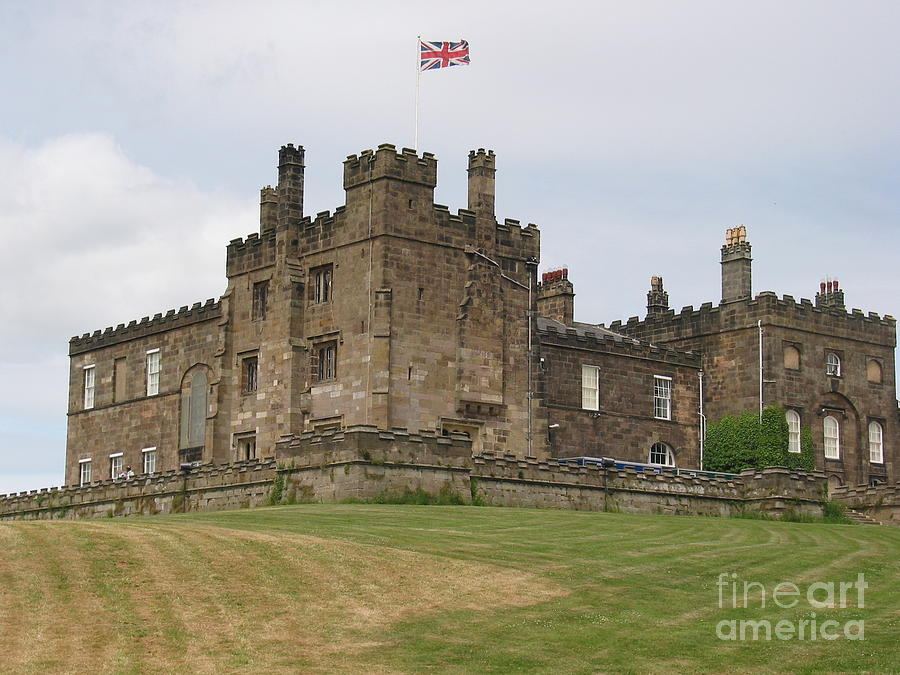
(386, 162)
(604, 341)
(769, 308)
(185, 316)
(253, 252)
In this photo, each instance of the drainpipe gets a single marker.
(759, 325)
(702, 421)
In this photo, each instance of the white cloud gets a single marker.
(91, 239)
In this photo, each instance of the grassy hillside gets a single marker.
(366, 588)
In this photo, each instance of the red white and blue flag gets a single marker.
(433, 55)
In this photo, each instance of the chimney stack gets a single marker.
(736, 264)
(556, 297)
(830, 296)
(657, 298)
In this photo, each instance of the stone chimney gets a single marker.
(830, 296)
(657, 298)
(736, 262)
(556, 296)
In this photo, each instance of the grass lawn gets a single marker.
(380, 588)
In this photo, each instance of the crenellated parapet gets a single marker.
(253, 252)
(159, 323)
(386, 162)
(767, 307)
(604, 341)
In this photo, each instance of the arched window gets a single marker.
(194, 402)
(873, 371)
(876, 443)
(832, 438)
(661, 454)
(791, 357)
(832, 364)
(793, 421)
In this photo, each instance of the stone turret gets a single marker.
(482, 170)
(290, 185)
(736, 265)
(268, 208)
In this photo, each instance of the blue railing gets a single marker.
(612, 463)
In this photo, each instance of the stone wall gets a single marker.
(728, 338)
(624, 426)
(881, 502)
(363, 463)
(205, 488)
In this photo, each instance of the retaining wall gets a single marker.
(363, 463)
(881, 502)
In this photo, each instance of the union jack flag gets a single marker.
(434, 55)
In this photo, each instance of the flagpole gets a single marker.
(418, 70)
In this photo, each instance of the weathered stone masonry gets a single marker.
(392, 312)
(363, 463)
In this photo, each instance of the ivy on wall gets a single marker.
(737, 443)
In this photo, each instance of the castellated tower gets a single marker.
(390, 311)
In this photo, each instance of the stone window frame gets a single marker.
(326, 360)
(795, 437)
(879, 424)
(833, 365)
(259, 300)
(84, 471)
(880, 365)
(590, 391)
(322, 284)
(794, 345)
(154, 368)
(245, 446)
(120, 379)
(114, 465)
(90, 379)
(836, 438)
(661, 450)
(662, 397)
(148, 459)
(249, 372)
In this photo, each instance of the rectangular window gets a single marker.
(249, 374)
(88, 387)
(119, 390)
(116, 464)
(832, 431)
(876, 443)
(590, 387)
(84, 471)
(149, 459)
(260, 297)
(322, 284)
(245, 446)
(153, 372)
(326, 359)
(662, 397)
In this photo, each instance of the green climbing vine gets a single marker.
(745, 442)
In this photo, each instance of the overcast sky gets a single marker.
(134, 138)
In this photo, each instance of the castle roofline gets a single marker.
(160, 322)
(598, 338)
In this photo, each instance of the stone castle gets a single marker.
(395, 314)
